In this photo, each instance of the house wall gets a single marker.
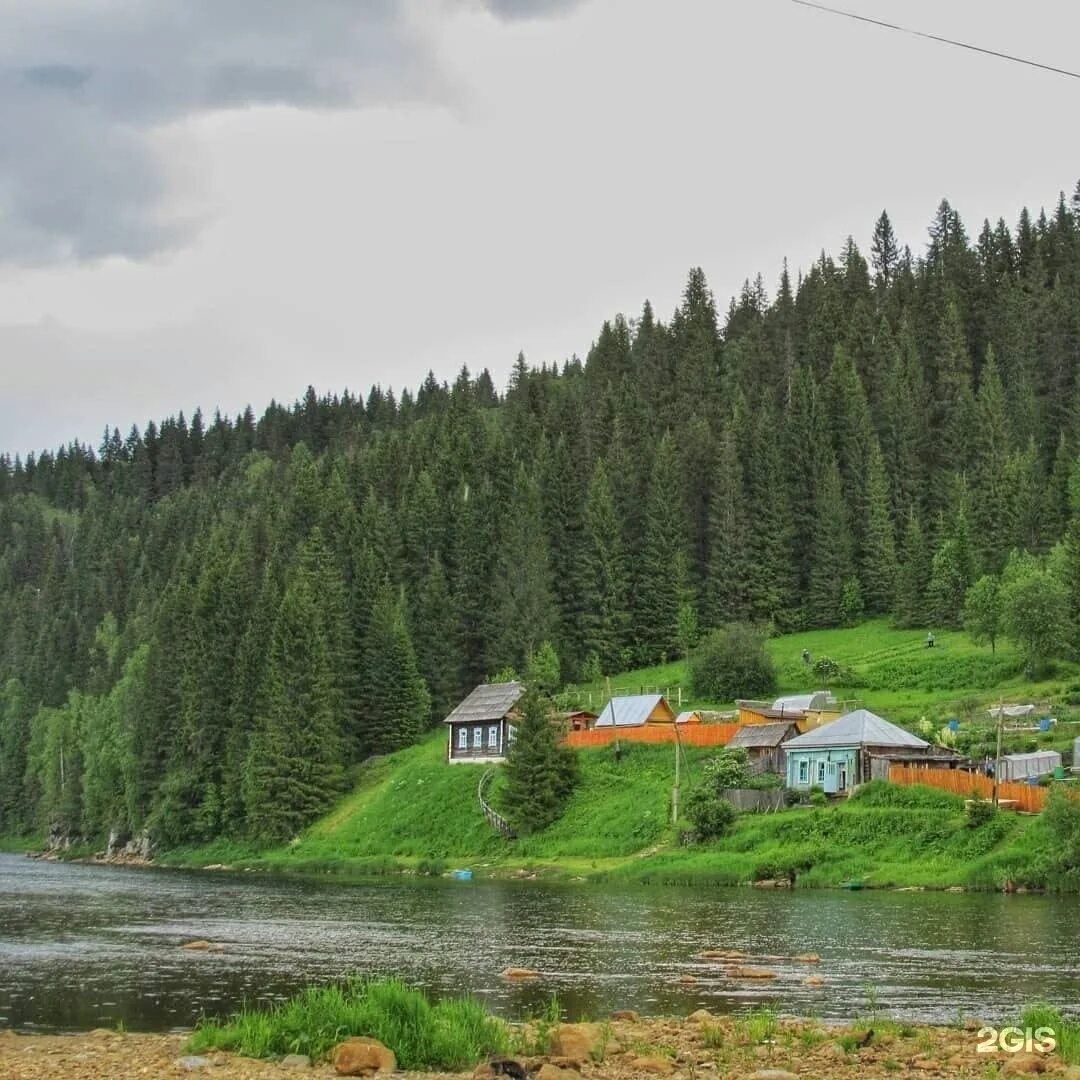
(484, 750)
(815, 760)
(662, 714)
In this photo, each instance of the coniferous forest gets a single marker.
(205, 623)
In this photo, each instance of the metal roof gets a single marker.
(489, 701)
(761, 734)
(818, 699)
(628, 711)
(685, 716)
(858, 728)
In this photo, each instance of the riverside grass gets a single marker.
(450, 1035)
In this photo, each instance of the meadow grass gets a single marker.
(1066, 1032)
(450, 1035)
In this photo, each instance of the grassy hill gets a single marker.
(890, 670)
(412, 811)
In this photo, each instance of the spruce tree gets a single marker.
(878, 564)
(831, 558)
(725, 597)
(913, 576)
(607, 584)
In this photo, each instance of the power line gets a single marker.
(935, 37)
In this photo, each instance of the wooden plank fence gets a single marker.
(689, 735)
(1027, 797)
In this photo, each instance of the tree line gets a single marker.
(206, 624)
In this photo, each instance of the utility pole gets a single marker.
(1000, 733)
(675, 792)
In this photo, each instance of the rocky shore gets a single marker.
(695, 1048)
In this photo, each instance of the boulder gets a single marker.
(807, 958)
(751, 973)
(554, 1072)
(1024, 1065)
(197, 946)
(625, 1014)
(687, 980)
(489, 1070)
(296, 1061)
(520, 973)
(661, 1066)
(721, 954)
(575, 1042)
(360, 1056)
(813, 980)
(701, 1016)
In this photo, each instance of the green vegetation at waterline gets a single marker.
(1066, 1032)
(450, 1036)
(617, 824)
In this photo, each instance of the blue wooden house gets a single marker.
(840, 755)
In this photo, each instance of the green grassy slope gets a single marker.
(891, 670)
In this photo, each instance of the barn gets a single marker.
(764, 744)
(636, 710)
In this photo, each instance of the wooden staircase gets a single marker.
(494, 818)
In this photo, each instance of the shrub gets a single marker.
(710, 815)
(732, 662)
(979, 812)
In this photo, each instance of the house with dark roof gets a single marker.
(635, 710)
(764, 744)
(838, 756)
(482, 727)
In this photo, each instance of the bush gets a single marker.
(731, 663)
(711, 816)
(979, 812)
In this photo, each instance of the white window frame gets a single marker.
(804, 771)
(463, 738)
(493, 737)
(478, 738)
(821, 772)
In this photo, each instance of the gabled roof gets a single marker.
(686, 716)
(818, 699)
(628, 711)
(858, 728)
(762, 735)
(489, 701)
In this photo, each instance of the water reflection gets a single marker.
(88, 946)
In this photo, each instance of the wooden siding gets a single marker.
(688, 735)
(1026, 796)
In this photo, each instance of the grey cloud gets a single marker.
(83, 85)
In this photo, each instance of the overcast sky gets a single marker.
(216, 202)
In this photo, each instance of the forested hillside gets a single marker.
(205, 623)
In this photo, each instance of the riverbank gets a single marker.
(625, 1046)
(411, 813)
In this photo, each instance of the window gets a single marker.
(821, 772)
(463, 738)
(804, 772)
(493, 737)
(477, 738)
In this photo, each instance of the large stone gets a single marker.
(520, 973)
(625, 1014)
(751, 973)
(577, 1042)
(197, 946)
(360, 1056)
(661, 1066)
(554, 1072)
(296, 1061)
(700, 1016)
(1024, 1065)
(807, 958)
(814, 980)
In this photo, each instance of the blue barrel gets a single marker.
(954, 725)
(1045, 724)
(463, 875)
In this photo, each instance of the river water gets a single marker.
(85, 946)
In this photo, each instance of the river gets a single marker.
(87, 946)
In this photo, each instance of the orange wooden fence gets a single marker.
(689, 735)
(1026, 796)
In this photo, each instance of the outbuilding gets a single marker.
(764, 744)
(1029, 766)
(635, 710)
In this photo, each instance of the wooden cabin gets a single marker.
(482, 727)
(637, 710)
(764, 744)
(574, 720)
(808, 711)
(688, 716)
(839, 756)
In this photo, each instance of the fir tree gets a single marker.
(607, 617)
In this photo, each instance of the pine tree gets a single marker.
(831, 560)
(607, 620)
(662, 561)
(540, 774)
